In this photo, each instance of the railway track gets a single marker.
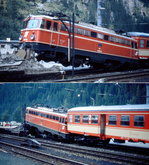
(96, 154)
(38, 155)
(14, 74)
(124, 76)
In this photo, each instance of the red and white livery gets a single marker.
(121, 122)
(44, 120)
(143, 43)
(97, 46)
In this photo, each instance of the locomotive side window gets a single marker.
(125, 120)
(48, 24)
(85, 119)
(112, 120)
(94, 119)
(94, 34)
(87, 33)
(139, 121)
(141, 43)
(100, 36)
(147, 43)
(63, 27)
(106, 37)
(55, 26)
(77, 119)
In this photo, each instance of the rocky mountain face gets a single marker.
(126, 15)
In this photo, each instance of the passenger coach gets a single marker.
(121, 122)
(44, 120)
(143, 43)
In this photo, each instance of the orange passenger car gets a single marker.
(121, 122)
(143, 43)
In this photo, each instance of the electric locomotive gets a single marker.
(48, 38)
(42, 120)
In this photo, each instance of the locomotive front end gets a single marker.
(29, 36)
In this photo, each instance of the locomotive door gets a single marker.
(55, 34)
(102, 126)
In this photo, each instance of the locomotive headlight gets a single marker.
(20, 38)
(32, 37)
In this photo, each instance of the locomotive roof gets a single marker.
(136, 107)
(86, 25)
(46, 110)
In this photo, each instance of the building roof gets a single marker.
(9, 42)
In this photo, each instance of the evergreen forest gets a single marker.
(14, 97)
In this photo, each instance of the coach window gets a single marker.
(94, 119)
(139, 121)
(147, 43)
(55, 26)
(112, 120)
(85, 119)
(141, 43)
(125, 120)
(70, 118)
(77, 119)
(94, 34)
(48, 24)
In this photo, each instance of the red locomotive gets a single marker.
(95, 123)
(94, 45)
(44, 120)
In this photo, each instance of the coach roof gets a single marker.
(136, 107)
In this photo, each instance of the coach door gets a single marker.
(102, 125)
(55, 34)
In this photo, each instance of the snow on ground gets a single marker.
(139, 144)
(33, 65)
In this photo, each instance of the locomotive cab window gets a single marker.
(42, 24)
(48, 24)
(139, 121)
(125, 120)
(85, 119)
(77, 119)
(112, 120)
(55, 26)
(33, 23)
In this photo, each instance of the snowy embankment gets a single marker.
(33, 65)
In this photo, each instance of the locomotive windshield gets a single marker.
(33, 23)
